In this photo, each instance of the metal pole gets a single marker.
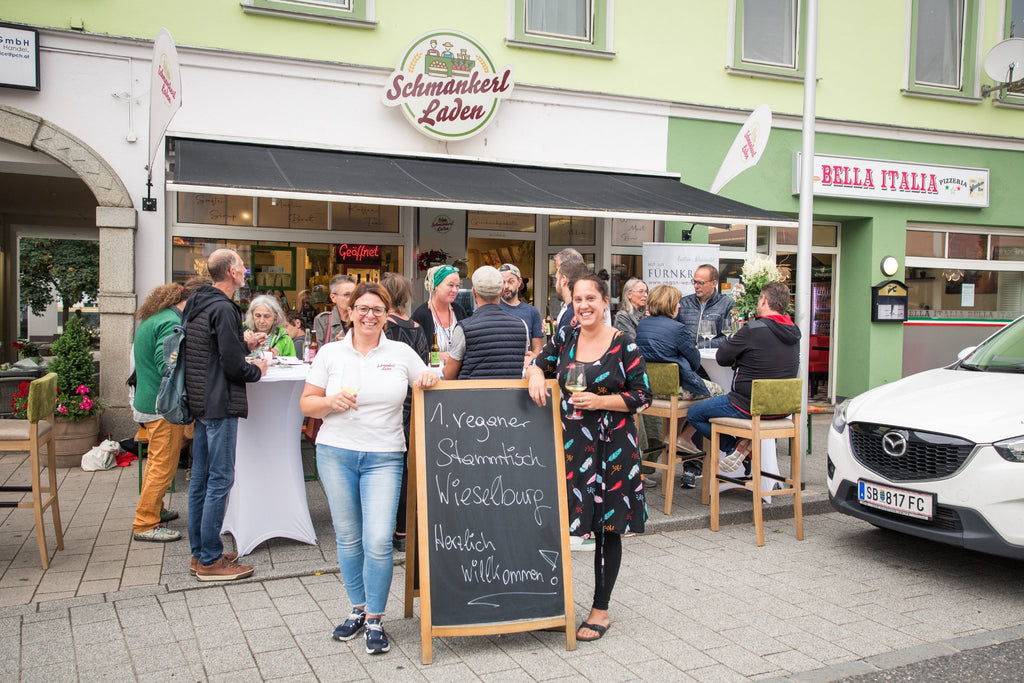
(806, 220)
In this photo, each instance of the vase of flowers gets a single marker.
(757, 272)
(77, 413)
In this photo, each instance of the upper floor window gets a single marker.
(353, 12)
(562, 19)
(1014, 29)
(944, 40)
(768, 37)
(582, 26)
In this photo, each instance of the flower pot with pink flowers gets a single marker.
(78, 409)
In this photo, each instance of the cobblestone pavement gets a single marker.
(689, 604)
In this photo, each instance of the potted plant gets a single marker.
(78, 409)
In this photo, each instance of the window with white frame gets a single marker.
(944, 39)
(581, 26)
(353, 12)
(768, 37)
(1014, 19)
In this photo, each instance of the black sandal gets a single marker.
(600, 630)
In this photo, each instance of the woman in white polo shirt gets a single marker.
(358, 387)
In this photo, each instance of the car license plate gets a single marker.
(899, 501)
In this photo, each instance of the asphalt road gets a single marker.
(1003, 662)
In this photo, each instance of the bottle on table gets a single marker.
(549, 324)
(309, 353)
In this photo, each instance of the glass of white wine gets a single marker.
(706, 330)
(575, 382)
(729, 325)
(351, 380)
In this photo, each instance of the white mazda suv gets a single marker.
(940, 454)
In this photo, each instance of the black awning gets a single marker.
(208, 166)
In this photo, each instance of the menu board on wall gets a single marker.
(492, 521)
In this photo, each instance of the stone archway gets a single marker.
(116, 222)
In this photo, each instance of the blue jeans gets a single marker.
(718, 406)
(213, 474)
(362, 490)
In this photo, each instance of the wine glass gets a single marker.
(706, 330)
(575, 382)
(729, 325)
(351, 380)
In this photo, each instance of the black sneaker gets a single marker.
(376, 640)
(398, 543)
(350, 627)
(689, 480)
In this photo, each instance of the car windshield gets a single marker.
(1003, 352)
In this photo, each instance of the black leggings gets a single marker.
(607, 559)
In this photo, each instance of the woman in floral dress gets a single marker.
(605, 489)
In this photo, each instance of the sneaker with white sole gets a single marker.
(348, 629)
(158, 534)
(376, 640)
(168, 515)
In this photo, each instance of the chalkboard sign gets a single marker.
(492, 521)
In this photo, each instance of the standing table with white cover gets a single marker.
(722, 376)
(268, 499)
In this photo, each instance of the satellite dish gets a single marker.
(1004, 63)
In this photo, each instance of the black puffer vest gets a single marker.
(496, 343)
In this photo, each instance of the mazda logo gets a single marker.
(894, 443)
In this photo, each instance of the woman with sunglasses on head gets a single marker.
(358, 386)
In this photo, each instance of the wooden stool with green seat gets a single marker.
(767, 397)
(32, 435)
(666, 404)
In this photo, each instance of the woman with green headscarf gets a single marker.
(439, 315)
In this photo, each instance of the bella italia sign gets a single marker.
(895, 181)
(447, 85)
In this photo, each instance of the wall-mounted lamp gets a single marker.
(954, 275)
(889, 266)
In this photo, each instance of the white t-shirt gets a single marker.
(382, 377)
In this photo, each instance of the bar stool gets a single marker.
(664, 380)
(31, 435)
(767, 397)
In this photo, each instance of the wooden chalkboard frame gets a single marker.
(417, 567)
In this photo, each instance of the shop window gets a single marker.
(501, 221)
(768, 38)
(763, 234)
(733, 238)
(572, 231)
(631, 233)
(286, 269)
(581, 26)
(364, 217)
(353, 12)
(965, 294)
(943, 45)
(821, 236)
(302, 214)
(214, 209)
(926, 243)
(624, 267)
(1007, 248)
(967, 246)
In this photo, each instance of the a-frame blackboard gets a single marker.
(490, 526)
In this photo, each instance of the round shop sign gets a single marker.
(447, 85)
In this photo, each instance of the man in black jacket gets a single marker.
(215, 376)
(766, 348)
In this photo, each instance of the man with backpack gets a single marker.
(216, 373)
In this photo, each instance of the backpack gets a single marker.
(171, 402)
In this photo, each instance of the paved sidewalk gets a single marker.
(689, 604)
(99, 556)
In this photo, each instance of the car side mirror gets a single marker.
(965, 352)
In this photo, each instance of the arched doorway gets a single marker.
(114, 222)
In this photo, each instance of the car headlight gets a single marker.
(1011, 449)
(839, 417)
